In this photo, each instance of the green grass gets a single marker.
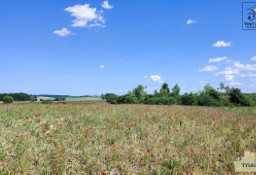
(122, 139)
(91, 101)
(81, 98)
(246, 110)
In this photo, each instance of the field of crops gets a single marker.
(122, 139)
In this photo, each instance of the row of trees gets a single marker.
(209, 96)
(19, 96)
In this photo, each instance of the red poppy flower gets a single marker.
(148, 150)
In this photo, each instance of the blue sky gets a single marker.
(83, 47)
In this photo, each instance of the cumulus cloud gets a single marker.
(85, 16)
(155, 77)
(246, 67)
(253, 58)
(250, 75)
(229, 73)
(222, 44)
(208, 69)
(106, 5)
(64, 32)
(191, 21)
(218, 59)
(102, 66)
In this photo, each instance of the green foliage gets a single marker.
(189, 99)
(16, 96)
(237, 98)
(7, 99)
(111, 98)
(176, 90)
(224, 100)
(223, 87)
(47, 101)
(130, 99)
(59, 99)
(139, 91)
(165, 91)
(207, 100)
(33, 98)
(160, 101)
(208, 97)
(209, 90)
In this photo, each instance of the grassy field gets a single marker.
(81, 98)
(122, 139)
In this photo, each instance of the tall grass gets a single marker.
(122, 139)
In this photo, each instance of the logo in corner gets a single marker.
(249, 16)
(247, 164)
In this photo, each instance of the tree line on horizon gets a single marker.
(18, 97)
(209, 96)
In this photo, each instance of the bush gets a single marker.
(177, 99)
(160, 101)
(46, 101)
(224, 101)
(130, 99)
(59, 99)
(112, 99)
(33, 98)
(207, 100)
(189, 99)
(7, 99)
(237, 98)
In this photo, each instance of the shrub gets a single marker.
(237, 98)
(224, 101)
(207, 100)
(160, 101)
(189, 99)
(33, 98)
(59, 99)
(7, 99)
(130, 99)
(46, 101)
(112, 99)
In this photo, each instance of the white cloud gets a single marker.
(253, 58)
(250, 75)
(245, 67)
(234, 83)
(106, 5)
(221, 44)
(102, 66)
(191, 21)
(86, 16)
(218, 59)
(64, 32)
(208, 69)
(229, 73)
(155, 77)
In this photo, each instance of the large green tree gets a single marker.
(209, 90)
(236, 97)
(165, 91)
(176, 90)
(139, 91)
